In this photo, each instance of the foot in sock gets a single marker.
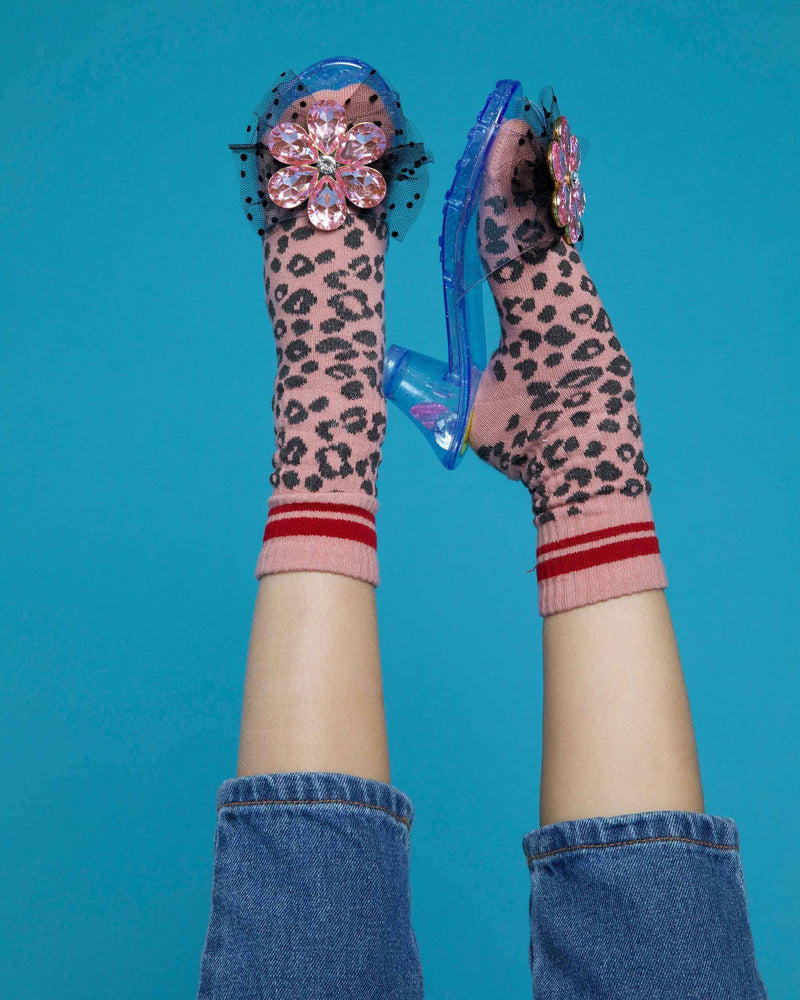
(555, 408)
(325, 296)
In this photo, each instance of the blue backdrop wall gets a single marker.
(135, 383)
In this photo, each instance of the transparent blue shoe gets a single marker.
(438, 396)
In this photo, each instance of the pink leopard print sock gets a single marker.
(555, 408)
(325, 296)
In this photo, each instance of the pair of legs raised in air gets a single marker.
(617, 728)
(635, 891)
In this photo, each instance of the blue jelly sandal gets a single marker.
(438, 396)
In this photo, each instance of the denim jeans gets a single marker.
(311, 899)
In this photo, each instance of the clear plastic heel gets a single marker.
(438, 395)
(429, 393)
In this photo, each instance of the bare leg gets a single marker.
(617, 729)
(313, 697)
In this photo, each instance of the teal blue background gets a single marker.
(135, 383)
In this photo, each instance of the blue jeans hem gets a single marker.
(628, 830)
(315, 788)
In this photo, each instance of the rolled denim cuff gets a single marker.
(636, 828)
(316, 788)
(640, 906)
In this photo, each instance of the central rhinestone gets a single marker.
(326, 164)
(573, 179)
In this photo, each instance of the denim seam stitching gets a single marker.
(314, 802)
(626, 843)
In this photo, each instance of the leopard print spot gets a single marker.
(531, 337)
(292, 451)
(297, 350)
(330, 344)
(579, 475)
(620, 366)
(352, 306)
(340, 371)
(333, 461)
(582, 314)
(580, 377)
(545, 422)
(602, 322)
(558, 335)
(577, 399)
(526, 368)
(542, 394)
(353, 389)
(300, 266)
(632, 488)
(300, 302)
(295, 412)
(354, 240)
(354, 420)
(607, 471)
(588, 350)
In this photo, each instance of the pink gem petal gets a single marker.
(364, 143)
(364, 186)
(291, 186)
(574, 155)
(427, 413)
(326, 204)
(562, 205)
(288, 143)
(578, 200)
(327, 123)
(574, 231)
(558, 163)
(564, 133)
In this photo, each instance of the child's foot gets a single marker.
(555, 408)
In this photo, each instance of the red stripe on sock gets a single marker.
(351, 531)
(599, 556)
(594, 536)
(316, 505)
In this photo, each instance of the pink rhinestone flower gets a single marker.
(327, 165)
(569, 198)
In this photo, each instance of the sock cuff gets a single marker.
(598, 556)
(334, 534)
(362, 500)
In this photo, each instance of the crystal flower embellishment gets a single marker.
(569, 198)
(326, 165)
